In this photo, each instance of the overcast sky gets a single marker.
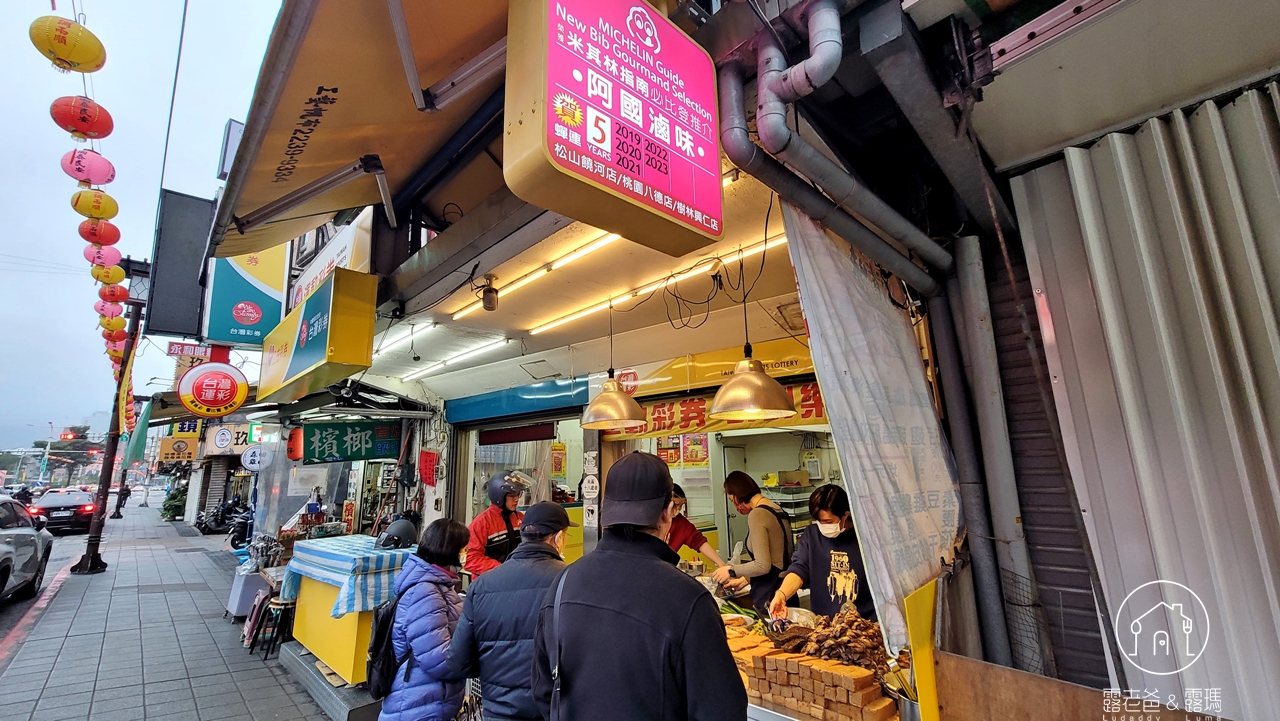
(52, 362)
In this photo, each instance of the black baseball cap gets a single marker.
(637, 490)
(546, 518)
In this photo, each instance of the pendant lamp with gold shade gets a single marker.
(612, 409)
(750, 394)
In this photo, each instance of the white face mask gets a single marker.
(830, 530)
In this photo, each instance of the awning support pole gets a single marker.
(368, 164)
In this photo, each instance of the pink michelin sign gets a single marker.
(632, 108)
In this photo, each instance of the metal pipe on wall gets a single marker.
(988, 400)
(973, 501)
(737, 144)
(778, 85)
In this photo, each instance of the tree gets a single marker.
(11, 462)
(72, 454)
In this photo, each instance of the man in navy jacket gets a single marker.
(637, 639)
(494, 639)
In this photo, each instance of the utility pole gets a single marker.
(44, 461)
(91, 561)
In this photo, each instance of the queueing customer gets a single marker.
(769, 541)
(623, 634)
(494, 640)
(426, 616)
(828, 552)
(495, 532)
(683, 532)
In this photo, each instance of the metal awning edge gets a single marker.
(282, 50)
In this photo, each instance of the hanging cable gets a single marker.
(173, 94)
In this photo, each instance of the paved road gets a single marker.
(66, 550)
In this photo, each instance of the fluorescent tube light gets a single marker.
(414, 331)
(457, 358)
(528, 278)
(702, 268)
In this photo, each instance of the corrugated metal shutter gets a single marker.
(1158, 252)
(215, 483)
(1053, 541)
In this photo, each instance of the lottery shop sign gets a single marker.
(689, 415)
(615, 120)
(213, 390)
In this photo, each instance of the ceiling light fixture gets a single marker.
(414, 332)
(457, 358)
(702, 269)
(528, 278)
(612, 408)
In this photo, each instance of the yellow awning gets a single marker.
(333, 89)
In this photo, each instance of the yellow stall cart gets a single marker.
(337, 582)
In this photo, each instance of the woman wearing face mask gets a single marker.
(769, 542)
(827, 560)
(683, 532)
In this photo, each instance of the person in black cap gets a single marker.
(495, 531)
(494, 639)
(623, 634)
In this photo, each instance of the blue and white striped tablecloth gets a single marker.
(365, 575)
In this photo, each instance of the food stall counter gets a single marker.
(337, 583)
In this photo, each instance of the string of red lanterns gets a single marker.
(73, 48)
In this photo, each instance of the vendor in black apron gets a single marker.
(769, 542)
(495, 533)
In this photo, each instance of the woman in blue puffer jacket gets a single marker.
(425, 618)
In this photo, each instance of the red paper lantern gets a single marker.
(294, 449)
(81, 117)
(101, 232)
(113, 293)
(115, 335)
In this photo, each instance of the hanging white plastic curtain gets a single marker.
(898, 469)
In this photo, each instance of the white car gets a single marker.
(24, 550)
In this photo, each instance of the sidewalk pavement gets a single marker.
(146, 639)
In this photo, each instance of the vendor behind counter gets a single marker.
(827, 561)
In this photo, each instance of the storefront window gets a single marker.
(554, 462)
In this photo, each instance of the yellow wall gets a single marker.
(573, 536)
(713, 537)
(342, 643)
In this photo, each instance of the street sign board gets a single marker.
(213, 390)
(350, 441)
(327, 338)
(245, 296)
(251, 459)
(176, 449)
(611, 118)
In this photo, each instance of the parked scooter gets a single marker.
(241, 530)
(219, 520)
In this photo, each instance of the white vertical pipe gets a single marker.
(988, 401)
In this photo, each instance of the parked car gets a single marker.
(66, 509)
(24, 550)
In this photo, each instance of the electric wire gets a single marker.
(173, 94)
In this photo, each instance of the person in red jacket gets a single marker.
(684, 533)
(495, 533)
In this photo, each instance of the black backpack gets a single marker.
(382, 663)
